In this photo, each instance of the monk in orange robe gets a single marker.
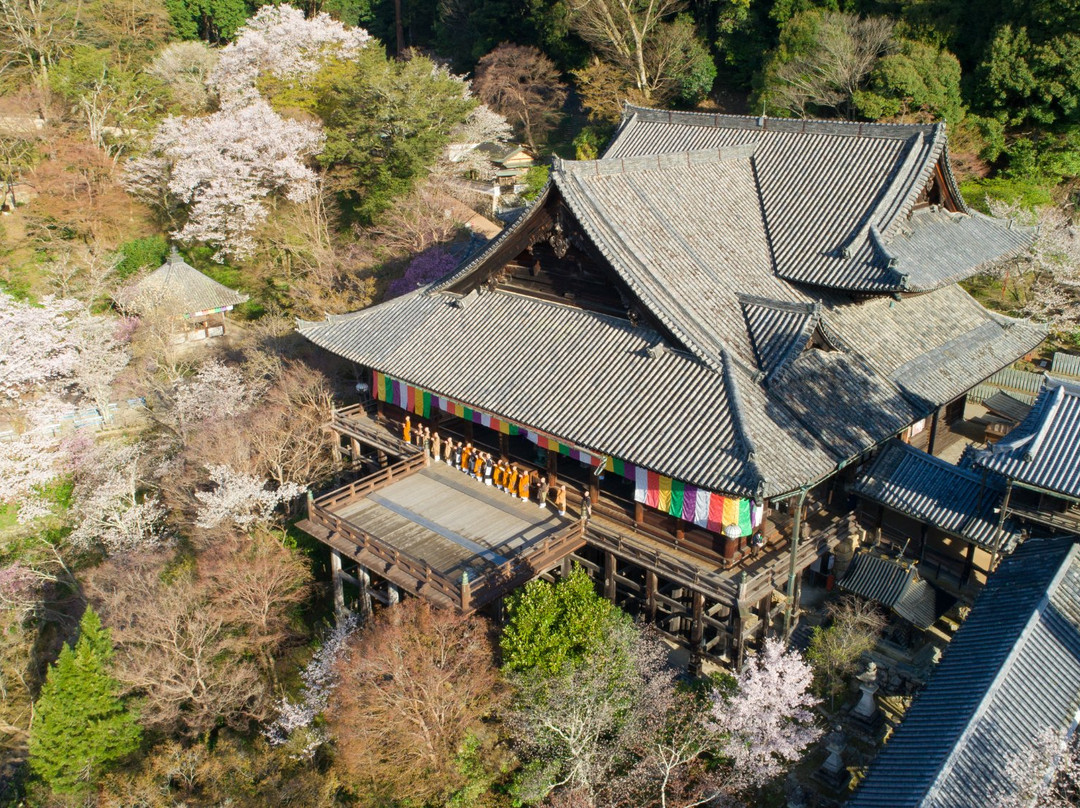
(524, 481)
(560, 500)
(466, 453)
(512, 484)
(477, 464)
(406, 430)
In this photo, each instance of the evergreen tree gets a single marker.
(80, 725)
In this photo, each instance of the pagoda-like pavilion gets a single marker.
(194, 302)
(707, 330)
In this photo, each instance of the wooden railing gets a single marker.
(1067, 521)
(373, 482)
(359, 421)
(513, 573)
(776, 574)
(361, 541)
(462, 592)
(718, 584)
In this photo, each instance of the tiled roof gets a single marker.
(956, 500)
(1007, 406)
(776, 383)
(656, 219)
(590, 379)
(1065, 364)
(895, 584)
(836, 196)
(778, 331)
(1011, 672)
(1044, 449)
(180, 288)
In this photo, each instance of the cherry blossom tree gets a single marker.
(282, 42)
(38, 348)
(1052, 264)
(223, 168)
(295, 722)
(240, 499)
(1045, 775)
(214, 391)
(428, 266)
(114, 508)
(767, 723)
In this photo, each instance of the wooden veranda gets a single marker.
(432, 531)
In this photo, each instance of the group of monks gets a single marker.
(520, 483)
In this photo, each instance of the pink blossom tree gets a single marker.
(425, 268)
(282, 42)
(1045, 775)
(223, 168)
(767, 723)
(38, 345)
(240, 499)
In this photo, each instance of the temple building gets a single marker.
(195, 303)
(707, 331)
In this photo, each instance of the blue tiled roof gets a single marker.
(1011, 672)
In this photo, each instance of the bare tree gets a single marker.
(418, 681)
(523, 84)
(177, 648)
(624, 32)
(827, 74)
(835, 650)
(34, 34)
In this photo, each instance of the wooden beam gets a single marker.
(339, 590)
(609, 576)
(650, 595)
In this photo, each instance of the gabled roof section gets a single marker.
(956, 500)
(895, 584)
(837, 196)
(685, 251)
(1044, 450)
(180, 288)
(778, 331)
(1011, 672)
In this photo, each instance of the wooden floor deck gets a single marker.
(451, 522)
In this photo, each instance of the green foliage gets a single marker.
(550, 626)
(918, 79)
(141, 253)
(81, 726)
(1027, 78)
(386, 123)
(1027, 193)
(696, 81)
(535, 180)
(590, 141)
(216, 21)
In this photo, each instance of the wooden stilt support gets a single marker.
(339, 590)
(565, 567)
(335, 448)
(364, 579)
(354, 449)
(650, 595)
(609, 576)
(697, 631)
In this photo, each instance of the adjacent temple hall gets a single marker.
(707, 331)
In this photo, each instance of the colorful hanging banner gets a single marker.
(688, 502)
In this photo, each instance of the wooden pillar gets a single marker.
(339, 590)
(650, 596)
(1000, 525)
(393, 594)
(594, 488)
(697, 632)
(738, 641)
(639, 513)
(764, 607)
(363, 577)
(336, 447)
(792, 594)
(565, 567)
(609, 576)
(354, 450)
(933, 431)
(553, 467)
(504, 445)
